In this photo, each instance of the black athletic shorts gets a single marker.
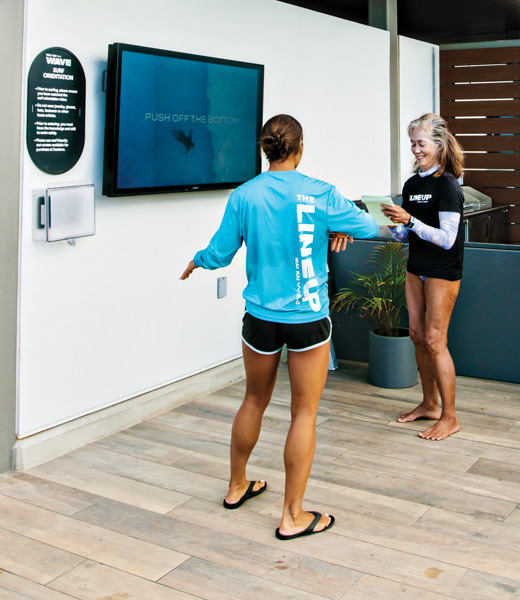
(267, 337)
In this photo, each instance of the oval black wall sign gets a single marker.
(56, 110)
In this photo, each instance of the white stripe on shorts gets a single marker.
(315, 345)
(260, 351)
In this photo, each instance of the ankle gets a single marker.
(292, 512)
(237, 484)
(449, 416)
(431, 405)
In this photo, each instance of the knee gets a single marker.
(434, 343)
(417, 337)
(255, 402)
(304, 412)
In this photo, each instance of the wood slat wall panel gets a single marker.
(503, 196)
(492, 178)
(491, 125)
(514, 214)
(490, 143)
(492, 160)
(484, 108)
(496, 76)
(476, 74)
(514, 233)
(479, 56)
(479, 91)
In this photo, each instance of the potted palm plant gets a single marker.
(379, 297)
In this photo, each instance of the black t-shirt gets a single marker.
(424, 198)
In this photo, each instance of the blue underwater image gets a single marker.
(185, 122)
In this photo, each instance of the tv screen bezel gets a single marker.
(112, 118)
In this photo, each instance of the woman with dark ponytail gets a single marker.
(431, 219)
(284, 218)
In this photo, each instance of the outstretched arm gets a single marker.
(345, 217)
(223, 245)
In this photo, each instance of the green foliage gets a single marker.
(380, 296)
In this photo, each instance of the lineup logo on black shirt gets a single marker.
(421, 198)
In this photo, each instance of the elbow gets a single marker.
(369, 232)
(369, 229)
(450, 242)
(446, 244)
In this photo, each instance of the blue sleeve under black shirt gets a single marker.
(424, 198)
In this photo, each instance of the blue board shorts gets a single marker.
(267, 337)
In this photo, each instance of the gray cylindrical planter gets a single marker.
(391, 360)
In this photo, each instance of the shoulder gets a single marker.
(318, 184)
(449, 193)
(250, 184)
(286, 180)
(248, 190)
(448, 178)
(415, 178)
(448, 184)
(412, 181)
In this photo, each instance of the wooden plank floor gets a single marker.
(138, 515)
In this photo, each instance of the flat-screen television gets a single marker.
(179, 122)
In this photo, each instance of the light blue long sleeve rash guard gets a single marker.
(285, 218)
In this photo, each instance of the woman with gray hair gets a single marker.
(431, 219)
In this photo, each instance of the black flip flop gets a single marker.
(249, 494)
(310, 528)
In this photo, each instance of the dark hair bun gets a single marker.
(281, 137)
(274, 145)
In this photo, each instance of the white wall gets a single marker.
(419, 90)
(109, 319)
(11, 48)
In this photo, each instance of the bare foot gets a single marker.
(305, 519)
(442, 429)
(420, 412)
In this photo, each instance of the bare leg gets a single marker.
(416, 301)
(430, 305)
(261, 371)
(307, 373)
(440, 300)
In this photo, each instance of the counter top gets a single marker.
(481, 211)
